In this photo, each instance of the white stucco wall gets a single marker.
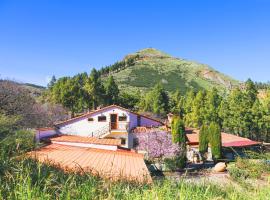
(83, 127)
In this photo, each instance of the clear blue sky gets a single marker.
(40, 38)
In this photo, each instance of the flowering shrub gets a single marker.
(157, 143)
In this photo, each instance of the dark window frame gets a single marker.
(120, 118)
(104, 119)
(90, 119)
(123, 141)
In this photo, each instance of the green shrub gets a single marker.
(17, 143)
(174, 164)
(246, 168)
(238, 174)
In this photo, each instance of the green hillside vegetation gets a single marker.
(145, 68)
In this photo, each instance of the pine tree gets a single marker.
(266, 117)
(160, 100)
(257, 120)
(224, 115)
(212, 104)
(52, 82)
(156, 101)
(83, 99)
(95, 89)
(188, 101)
(66, 92)
(195, 118)
(251, 92)
(112, 91)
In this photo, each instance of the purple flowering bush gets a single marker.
(158, 144)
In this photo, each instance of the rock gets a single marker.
(220, 167)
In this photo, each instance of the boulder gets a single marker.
(220, 167)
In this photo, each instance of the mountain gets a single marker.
(34, 90)
(147, 67)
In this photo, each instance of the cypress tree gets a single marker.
(179, 137)
(203, 139)
(178, 131)
(214, 134)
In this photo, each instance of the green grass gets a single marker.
(23, 178)
(27, 179)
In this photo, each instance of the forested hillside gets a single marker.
(238, 110)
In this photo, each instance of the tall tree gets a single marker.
(52, 82)
(178, 130)
(177, 103)
(251, 91)
(156, 101)
(179, 136)
(129, 100)
(203, 139)
(83, 100)
(188, 101)
(94, 88)
(160, 100)
(214, 136)
(112, 91)
(195, 118)
(212, 103)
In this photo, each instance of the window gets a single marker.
(91, 119)
(138, 120)
(122, 118)
(123, 141)
(102, 118)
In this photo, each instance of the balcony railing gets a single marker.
(123, 126)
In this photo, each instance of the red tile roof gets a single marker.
(228, 140)
(115, 165)
(90, 140)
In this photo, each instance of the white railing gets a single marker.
(122, 126)
(108, 127)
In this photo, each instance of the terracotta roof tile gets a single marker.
(114, 165)
(81, 139)
(228, 140)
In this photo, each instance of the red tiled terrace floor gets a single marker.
(91, 140)
(120, 164)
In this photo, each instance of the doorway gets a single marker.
(114, 121)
